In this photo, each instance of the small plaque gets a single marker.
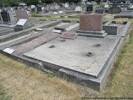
(57, 31)
(21, 22)
(9, 50)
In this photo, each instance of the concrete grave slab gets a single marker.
(75, 54)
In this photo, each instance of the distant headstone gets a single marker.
(114, 9)
(33, 8)
(12, 15)
(78, 9)
(5, 16)
(100, 10)
(39, 8)
(22, 14)
(89, 7)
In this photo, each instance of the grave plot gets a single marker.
(84, 58)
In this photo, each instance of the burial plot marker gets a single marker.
(22, 14)
(5, 17)
(91, 25)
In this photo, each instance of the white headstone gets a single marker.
(22, 22)
(78, 8)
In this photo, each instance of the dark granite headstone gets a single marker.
(89, 8)
(39, 8)
(5, 16)
(100, 10)
(115, 8)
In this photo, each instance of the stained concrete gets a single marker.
(72, 54)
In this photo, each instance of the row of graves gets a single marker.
(13, 20)
(113, 7)
(54, 9)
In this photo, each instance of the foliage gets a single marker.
(32, 2)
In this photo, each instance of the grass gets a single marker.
(3, 94)
(121, 84)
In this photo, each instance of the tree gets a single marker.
(31, 2)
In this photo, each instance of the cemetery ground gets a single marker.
(20, 82)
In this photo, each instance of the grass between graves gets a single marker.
(20, 82)
(121, 78)
(3, 94)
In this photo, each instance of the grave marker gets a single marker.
(91, 25)
(5, 16)
(21, 14)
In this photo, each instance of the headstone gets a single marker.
(91, 25)
(39, 8)
(22, 24)
(5, 16)
(12, 15)
(100, 10)
(33, 8)
(1, 20)
(89, 7)
(22, 14)
(78, 9)
(115, 8)
(91, 22)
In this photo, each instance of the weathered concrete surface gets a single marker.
(72, 54)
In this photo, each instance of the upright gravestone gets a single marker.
(22, 14)
(5, 16)
(1, 21)
(33, 8)
(39, 8)
(12, 15)
(91, 25)
(23, 20)
(89, 7)
(115, 8)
